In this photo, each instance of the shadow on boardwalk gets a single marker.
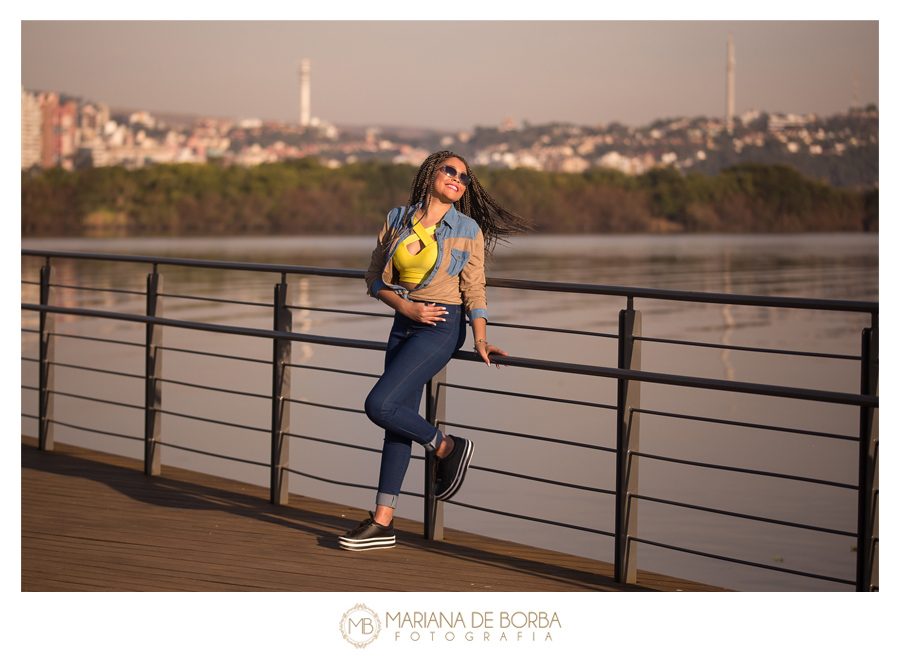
(93, 521)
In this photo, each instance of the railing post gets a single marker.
(46, 356)
(867, 516)
(152, 376)
(627, 442)
(281, 392)
(435, 412)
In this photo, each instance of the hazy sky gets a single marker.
(455, 75)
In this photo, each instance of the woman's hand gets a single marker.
(486, 349)
(425, 313)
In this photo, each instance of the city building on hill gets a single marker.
(93, 120)
(60, 134)
(780, 122)
(48, 103)
(143, 118)
(73, 134)
(31, 130)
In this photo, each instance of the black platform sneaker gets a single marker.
(451, 470)
(369, 535)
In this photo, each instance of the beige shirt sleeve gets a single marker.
(379, 257)
(472, 281)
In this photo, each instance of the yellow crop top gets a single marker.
(416, 268)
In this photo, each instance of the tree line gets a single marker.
(305, 197)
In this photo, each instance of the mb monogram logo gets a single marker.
(360, 626)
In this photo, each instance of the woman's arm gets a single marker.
(471, 287)
(472, 281)
(484, 348)
(418, 311)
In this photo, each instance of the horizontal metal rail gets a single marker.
(544, 439)
(99, 340)
(341, 311)
(214, 299)
(473, 467)
(749, 471)
(690, 382)
(139, 407)
(533, 478)
(370, 487)
(528, 396)
(802, 303)
(102, 370)
(333, 370)
(31, 283)
(344, 445)
(213, 420)
(493, 323)
(750, 517)
(31, 331)
(555, 330)
(572, 368)
(325, 406)
(740, 348)
(214, 354)
(530, 518)
(191, 262)
(119, 290)
(520, 284)
(214, 388)
(213, 454)
(336, 443)
(96, 431)
(34, 388)
(744, 562)
(758, 426)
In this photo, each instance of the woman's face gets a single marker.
(446, 188)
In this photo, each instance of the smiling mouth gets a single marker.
(454, 187)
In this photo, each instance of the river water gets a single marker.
(831, 266)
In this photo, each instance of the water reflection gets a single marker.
(727, 317)
(844, 267)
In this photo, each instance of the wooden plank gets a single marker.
(93, 521)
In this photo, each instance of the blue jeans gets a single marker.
(416, 352)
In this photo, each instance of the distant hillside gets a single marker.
(305, 197)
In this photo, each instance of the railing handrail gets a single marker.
(815, 395)
(803, 303)
(629, 374)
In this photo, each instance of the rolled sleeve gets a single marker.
(375, 274)
(472, 281)
(377, 286)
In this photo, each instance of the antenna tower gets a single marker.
(729, 99)
(304, 93)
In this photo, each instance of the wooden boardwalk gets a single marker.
(93, 521)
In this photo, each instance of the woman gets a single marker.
(428, 265)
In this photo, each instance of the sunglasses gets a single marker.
(451, 172)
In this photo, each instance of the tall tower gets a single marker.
(304, 93)
(729, 100)
(854, 104)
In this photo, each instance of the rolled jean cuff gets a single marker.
(387, 500)
(435, 443)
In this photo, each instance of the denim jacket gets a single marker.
(458, 275)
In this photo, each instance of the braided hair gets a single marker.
(496, 222)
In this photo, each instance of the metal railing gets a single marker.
(628, 374)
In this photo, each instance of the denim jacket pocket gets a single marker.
(458, 260)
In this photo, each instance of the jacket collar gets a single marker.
(450, 218)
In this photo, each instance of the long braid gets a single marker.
(496, 222)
